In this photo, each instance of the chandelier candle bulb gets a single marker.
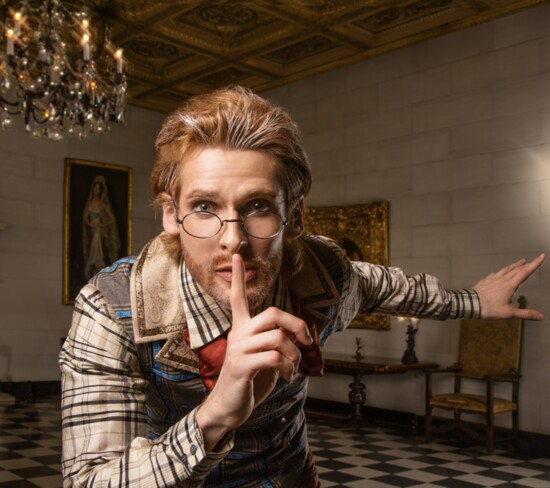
(118, 57)
(17, 17)
(9, 37)
(86, 47)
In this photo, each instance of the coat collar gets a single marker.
(158, 312)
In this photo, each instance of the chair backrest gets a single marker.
(489, 347)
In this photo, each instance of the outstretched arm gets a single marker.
(497, 290)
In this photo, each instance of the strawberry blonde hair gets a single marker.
(230, 118)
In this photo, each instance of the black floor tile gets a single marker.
(17, 484)
(35, 472)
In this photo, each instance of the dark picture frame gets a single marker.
(362, 231)
(97, 220)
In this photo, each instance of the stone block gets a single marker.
(421, 210)
(378, 185)
(545, 42)
(527, 235)
(452, 47)
(385, 125)
(452, 240)
(347, 105)
(496, 134)
(414, 88)
(497, 202)
(487, 69)
(530, 163)
(16, 164)
(327, 192)
(415, 149)
(523, 95)
(450, 111)
(25, 240)
(472, 238)
(452, 174)
(32, 190)
(322, 141)
(400, 242)
(521, 27)
(16, 213)
(433, 240)
(354, 159)
(49, 169)
(545, 129)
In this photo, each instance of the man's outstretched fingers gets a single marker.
(510, 267)
(520, 273)
(536, 263)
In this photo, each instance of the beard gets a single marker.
(257, 289)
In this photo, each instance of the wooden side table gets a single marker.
(358, 367)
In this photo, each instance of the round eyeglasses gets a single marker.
(260, 225)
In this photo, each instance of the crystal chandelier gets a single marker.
(59, 70)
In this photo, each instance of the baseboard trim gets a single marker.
(25, 391)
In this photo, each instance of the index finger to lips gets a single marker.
(237, 295)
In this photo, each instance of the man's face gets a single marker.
(232, 184)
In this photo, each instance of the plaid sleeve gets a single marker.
(386, 290)
(104, 412)
(372, 288)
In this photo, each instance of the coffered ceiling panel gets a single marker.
(179, 48)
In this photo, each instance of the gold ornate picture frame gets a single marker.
(362, 231)
(97, 220)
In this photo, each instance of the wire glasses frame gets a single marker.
(262, 224)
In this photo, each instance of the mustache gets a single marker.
(226, 260)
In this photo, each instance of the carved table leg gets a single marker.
(357, 398)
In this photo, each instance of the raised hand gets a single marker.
(259, 349)
(497, 290)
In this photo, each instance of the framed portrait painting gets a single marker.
(362, 231)
(97, 220)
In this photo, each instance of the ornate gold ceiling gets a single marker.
(179, 48)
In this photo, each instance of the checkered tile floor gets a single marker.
(368, 457)
(30, 444)
(382, 458)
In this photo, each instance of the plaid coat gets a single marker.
(131, 383)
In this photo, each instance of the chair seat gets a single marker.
(471, 402)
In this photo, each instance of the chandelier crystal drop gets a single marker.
(59, 70)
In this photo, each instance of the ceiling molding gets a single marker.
(176, 49)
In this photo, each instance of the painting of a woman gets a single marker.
(100, 237)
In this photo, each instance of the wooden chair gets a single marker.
(489, 352)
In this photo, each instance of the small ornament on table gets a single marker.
(358, 347)
(409, 356)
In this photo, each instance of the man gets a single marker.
(188, 365)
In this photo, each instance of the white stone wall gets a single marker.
(455, 133)
(32, 317)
